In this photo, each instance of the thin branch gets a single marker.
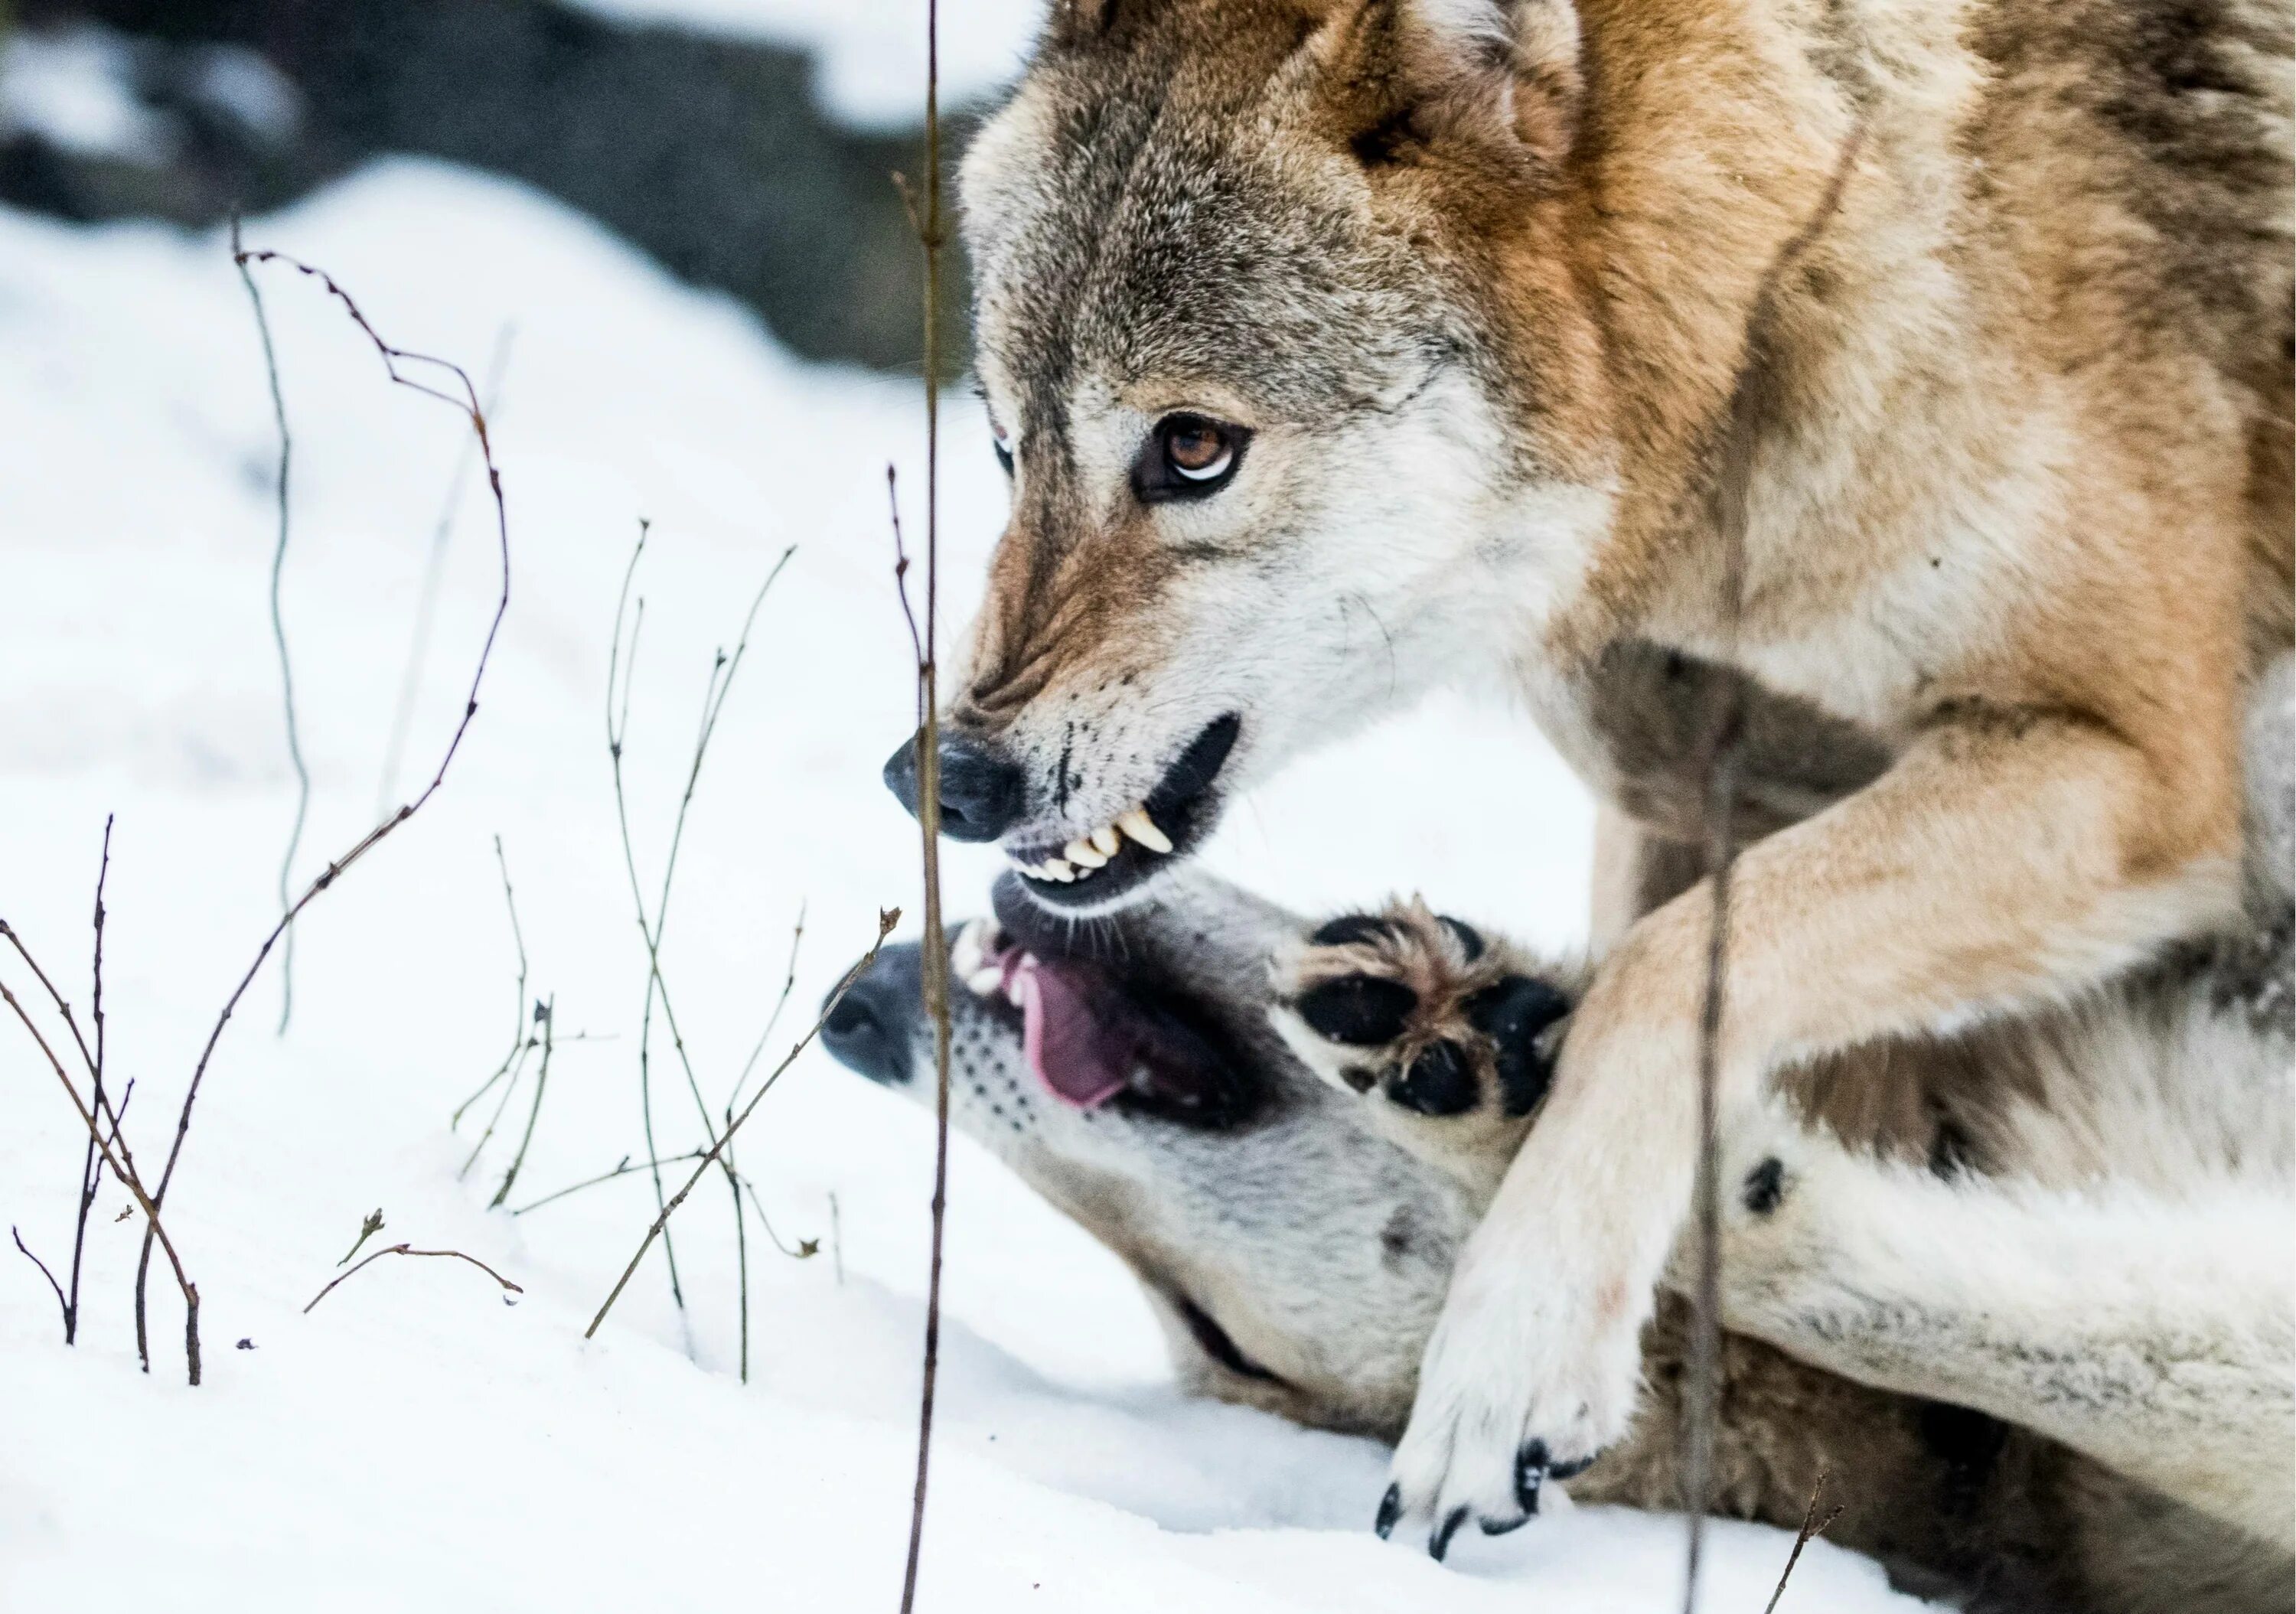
(517, 1070)
(548, 1013)
(617, 725)
(517, 1032)
(936, 949)
(789, 985)
(1812, 1527)
(1728, 490)
(886, 920)
(62, 1305)
(279, 625)
(434, 571)
(122, 1167)
(91, 1169)
(465, 399)
(509, 1288)
(625, 1168)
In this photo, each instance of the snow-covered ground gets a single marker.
(415, 1443)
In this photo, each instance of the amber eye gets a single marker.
(1197, 449)
(1188, 456)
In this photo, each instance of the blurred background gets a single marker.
(746, 145)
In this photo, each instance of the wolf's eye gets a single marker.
(1188, 456)
(1002, 444)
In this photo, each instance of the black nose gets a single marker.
(873, 1028)
(981, 793)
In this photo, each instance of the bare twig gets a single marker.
(279, 625)
(62, 1305)
(1754, 404)
(936, 950)
(886, 920)
(517, 1070)
(91, 1167)
(122, 1167)
(1812, 1527)
(509, 1288)
(618, 724)
(654, 926)
(466, 400)
(547, 1014)
(434, 571)
(519, 1034)
(789, 985)
(625, 1168)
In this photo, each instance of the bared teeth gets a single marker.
(1087, 853)
(1143, 829)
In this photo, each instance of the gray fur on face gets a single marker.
(1320, 1250)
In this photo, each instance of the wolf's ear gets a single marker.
(1509, 68)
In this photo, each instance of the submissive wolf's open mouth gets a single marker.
(1091, 869)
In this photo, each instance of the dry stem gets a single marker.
(467, 401)
(407, 1249)
(936, 950)
(886, 920)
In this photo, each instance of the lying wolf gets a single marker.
(2034, 1328)
(1928, 360)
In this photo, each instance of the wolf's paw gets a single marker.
(1422, 1010)
(1519, 1386)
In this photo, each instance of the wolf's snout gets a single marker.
(871, 1027)
(982, 793)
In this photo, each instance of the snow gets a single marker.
(414, 1442)
(869, 55)
(73, 87)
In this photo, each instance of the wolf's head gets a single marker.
(1300, 396)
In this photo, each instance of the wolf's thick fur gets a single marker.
(2039, 1346)
(1477, 277)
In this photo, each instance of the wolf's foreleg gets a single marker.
(2000, 861)
(2156, 1335)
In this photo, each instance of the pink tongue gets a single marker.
(1079, 1060)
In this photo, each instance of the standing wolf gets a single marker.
(1341, 348)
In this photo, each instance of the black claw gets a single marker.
(1441, 1543)
(1505, 1527)
(1391, 1509)
(1530, 1470)
(1350, 928)
(1361, 1010)
(1572, 1470)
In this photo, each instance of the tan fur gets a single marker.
(1984, 306)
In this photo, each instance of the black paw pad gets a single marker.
(1512, 1013)
(1470, 939)
(1765, 1187)
(1348, 929)
(1361, 1010)
(1439, 1082)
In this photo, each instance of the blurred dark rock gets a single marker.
(708, 153)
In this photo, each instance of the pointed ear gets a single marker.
(1504, 68)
